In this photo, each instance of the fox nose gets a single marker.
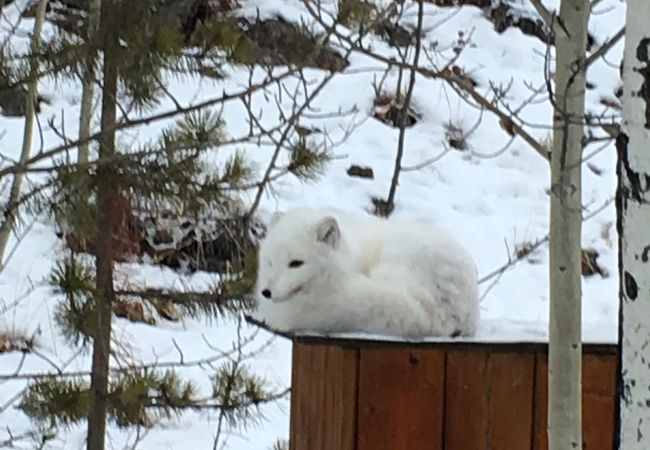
(266, 293)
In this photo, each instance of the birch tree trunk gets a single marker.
(565, 346)
(32, 88)
(106, 195)
(88, 90)
(633, 211)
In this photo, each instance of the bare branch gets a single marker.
(147, 120)
(9, 222)
(603, 49)
(458, 83)
(545, 14)
(390, 201)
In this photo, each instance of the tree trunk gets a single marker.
(88, 89)
(633, 211)
(565, 347)
(106, 195)
(32, 90)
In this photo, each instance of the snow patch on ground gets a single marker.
(492, 204)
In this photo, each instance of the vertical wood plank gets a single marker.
(323, 397)
(541, 402)
(466, 415)
(510, 401)
(489, 400)
(401, 399)
(598, 401)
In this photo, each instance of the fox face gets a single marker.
(293, 256)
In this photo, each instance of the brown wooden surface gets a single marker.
(540, 438)
(510, 413)
(401, 399)
(324, 398)
(489, 401)
(598, 400)
(466, 418)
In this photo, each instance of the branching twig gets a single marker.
(603, 49)
(545, 14)
(390, 200)
(147, 120)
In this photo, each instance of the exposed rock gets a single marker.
(590, 264)
(278, 42)
(456, 137)
(361, 172)
(381, 207)
(13, 97)
(395, 34)
(132, 311)
(503, 17)
(479, 3)
(67, 13)
(388, 109)
(126, 238)
(12, 342)
(207, 243)
(13, 101)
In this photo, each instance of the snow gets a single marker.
(492, 204)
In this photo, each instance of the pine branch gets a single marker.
(211, 404)
(261, 324)
(210, 304)
(147, 120)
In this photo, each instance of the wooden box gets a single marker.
(372, 395)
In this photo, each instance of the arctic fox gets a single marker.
(331, 272)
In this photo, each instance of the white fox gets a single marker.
(331, 272)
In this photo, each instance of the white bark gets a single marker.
(88, 90)
(14, 195)
(633, 204)
(565, 347)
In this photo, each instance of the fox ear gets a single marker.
(328, 232)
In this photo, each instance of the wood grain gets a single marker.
(401, 399)
(510, 401)
(323, 398)
(598, 401)
(371, 396)
(466, 415)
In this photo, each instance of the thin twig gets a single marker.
(603, 49)
(390, 201)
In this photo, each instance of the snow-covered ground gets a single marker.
(493, 200)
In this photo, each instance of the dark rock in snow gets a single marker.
(361, 172)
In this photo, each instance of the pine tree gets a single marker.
(106, 220)
(101, 205)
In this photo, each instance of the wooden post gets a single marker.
(375, 395)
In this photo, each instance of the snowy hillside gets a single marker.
(492, 195)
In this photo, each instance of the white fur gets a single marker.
(365, 274)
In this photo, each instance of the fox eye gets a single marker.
(294, 264)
